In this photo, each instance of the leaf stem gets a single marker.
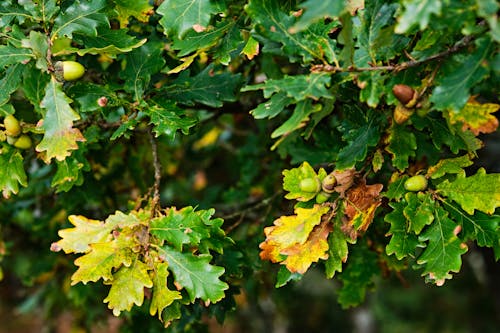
(157, 175)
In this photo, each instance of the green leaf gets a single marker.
(273, 23)
(69, 173)
(396, 190)
(357, 276)
(208, 87)
(180, 16)
(127, 287)
(419, 212)
(83, 16)
(482, 228)
(12, 11)
(180, 227)
(374, 88)
(459, 74)
(10, 55)
(298, 87)
(403, 243)
(109, 42)
(417, 12)
(12, 172)
(141, 64)
(34, 85)
(272, 107)
(103, 258)
(298, 119)
(360, 134)
(293, 177)
(376, 40)
(196, 274)
(87, 95)
(316, 10)
(162, 296)
(168, 118)
(402, 144)
(489, 10)
(195, 41)
(480, 191)
(444, 249)
(39, 44)
(284, 276)
(59, 135)
(449, 166)
(10, 81)
(337, 249)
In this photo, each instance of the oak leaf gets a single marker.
(289, 231)
(361, 204)
(301, 256)
(477, 117)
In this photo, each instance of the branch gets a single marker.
(157, 176)
(465, 41)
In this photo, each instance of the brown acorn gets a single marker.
(405, 94)
(402, 114)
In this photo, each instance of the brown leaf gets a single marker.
(345, 179)
(361, 204)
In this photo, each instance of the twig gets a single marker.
(157, 167)
(465, 41)
(242, 212)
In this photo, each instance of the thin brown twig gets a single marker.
(157, 175)
(465, 41)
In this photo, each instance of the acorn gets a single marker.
(322, 197)
(405, 94)
(416, 183)
(68, 70)
(402, 114)
(311, 185)
(24, 142)
(328, 183)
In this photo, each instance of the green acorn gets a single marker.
(68, 70)
(416, 183)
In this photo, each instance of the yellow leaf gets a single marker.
(127, 287)
(85, 232)
(290, 231)
(301, 256)
(477, 117)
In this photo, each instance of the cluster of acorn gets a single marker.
(13, 133)
(323, 189)
(408, 97)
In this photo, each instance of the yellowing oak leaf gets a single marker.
(127, 287)
(85, 232)
(162, 296)
(301, 256)
(103, 258)
(289, 231)
(477, 117)
(59, 135)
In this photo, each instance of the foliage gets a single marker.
(160, 118)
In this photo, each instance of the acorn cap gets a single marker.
(403, 93)
(59, 70)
